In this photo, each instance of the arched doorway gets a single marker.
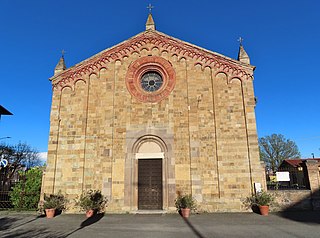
(150, 157)
(151, 153)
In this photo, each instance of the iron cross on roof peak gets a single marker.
(150, 7)
(240, 40)
(62, 53)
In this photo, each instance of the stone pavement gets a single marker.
(295, 224)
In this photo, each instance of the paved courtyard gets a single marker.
(295, 224)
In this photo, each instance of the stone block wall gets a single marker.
(291, 200)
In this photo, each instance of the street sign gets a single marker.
(3, 162)
(283, 176)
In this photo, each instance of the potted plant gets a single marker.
(92, 201)
(184, 204)
(263, 200)
(53, 204)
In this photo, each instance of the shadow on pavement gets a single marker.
(302, 216)
(89, 221)
(43, 233)
(7, 222)
(13, 229)
(195, 231)
(296, 213)
(19, 232)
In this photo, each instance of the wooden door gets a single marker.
(150, 184)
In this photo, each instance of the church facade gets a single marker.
(151, 117)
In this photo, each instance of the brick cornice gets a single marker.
(164, 42)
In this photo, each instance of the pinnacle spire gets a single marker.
(150, 23)
(61, 66)
(242, 55)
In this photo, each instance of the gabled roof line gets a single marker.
(181, 48)
(297, 162)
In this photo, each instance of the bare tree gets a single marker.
(18, 156)
(276, 148)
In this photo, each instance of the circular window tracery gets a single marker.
(150, 79)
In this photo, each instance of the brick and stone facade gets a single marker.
(200, 123)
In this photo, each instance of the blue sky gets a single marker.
(281, 38)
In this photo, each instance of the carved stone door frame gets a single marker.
(140, 149)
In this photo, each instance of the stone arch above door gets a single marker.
(149, 147)
(156, 142)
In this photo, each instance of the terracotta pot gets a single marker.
(50, 212)
(185, 212)
(264, 210)
(90, 213)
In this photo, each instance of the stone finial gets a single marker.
(243, 56)
(150, 23)
(61, 66)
